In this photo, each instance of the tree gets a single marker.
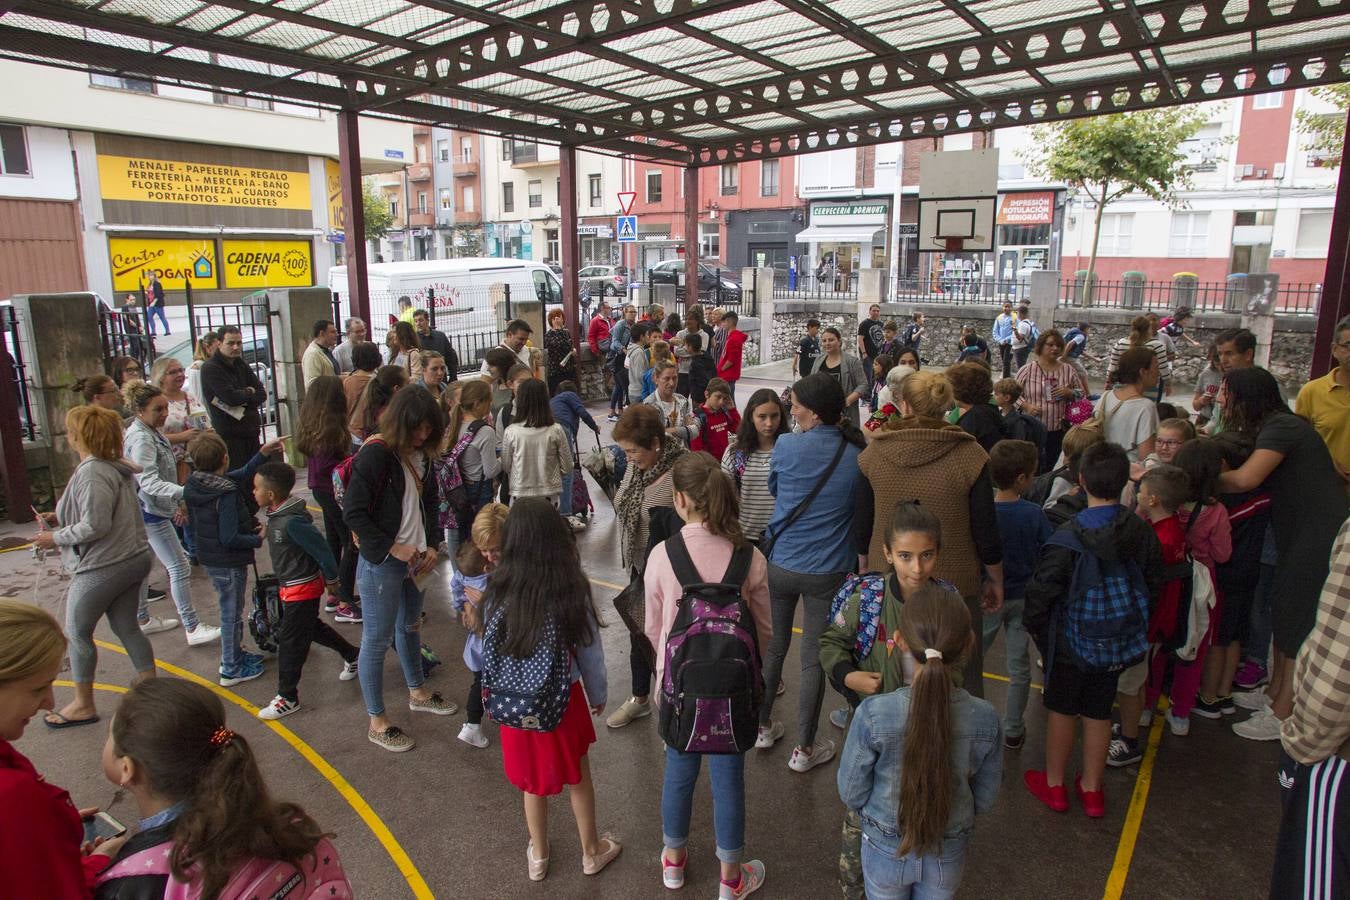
(1326, 131)
(1109, 156)
(378, 217)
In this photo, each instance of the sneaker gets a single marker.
(1253, 700)
(768, 735)
(576, 523)
(821, 753)
(1262, 725)
(839, 718)
(1180, 725)
(392, 739)
(609, 849)
(612, 417)
(1057, 798)
(347, 612)
(153, 594)
(435, 704)
(1014, 741)
(1123, 752)
(630, 711)
(154, 625)
(1210, 709)
(1250, 676)
(279, 708)
(473, 735)
(330, 604)
(752, 879)
(1226, 705)
(672, 874)
(1094, 802)
(1146, 718)
(348, 671)
(248, 669)
(203, 634)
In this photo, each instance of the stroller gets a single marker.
(607, 466)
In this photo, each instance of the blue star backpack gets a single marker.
(529, 693)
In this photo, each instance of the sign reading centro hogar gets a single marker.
(201, 184)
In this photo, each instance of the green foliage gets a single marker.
(378, 218)
(1325, 132)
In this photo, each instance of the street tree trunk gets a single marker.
(1096, 239)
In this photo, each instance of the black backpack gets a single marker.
(264, 621)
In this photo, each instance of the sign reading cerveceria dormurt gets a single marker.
(201, 184)
(248, 264)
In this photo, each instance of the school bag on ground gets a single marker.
(316, 876)
(1103, 622)
(713, 683)
(529, 693)
(264, 620)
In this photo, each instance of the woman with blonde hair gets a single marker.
(99, 530)
(206, 346)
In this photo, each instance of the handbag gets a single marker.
(768, 540)
(581, 493)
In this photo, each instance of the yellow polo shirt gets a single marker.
(1325, 402)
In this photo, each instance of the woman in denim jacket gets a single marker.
(914, 836)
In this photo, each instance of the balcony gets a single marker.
(419, 172)
(464, 168)
(422, 219)
(468, 217)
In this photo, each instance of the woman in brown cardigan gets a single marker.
(922, 459)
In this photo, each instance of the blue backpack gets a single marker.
(529, 693)
(1104, 621)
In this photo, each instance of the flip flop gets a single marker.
(63, 722)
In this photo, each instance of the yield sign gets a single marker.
(626, 199)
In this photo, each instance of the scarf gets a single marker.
(629, 501)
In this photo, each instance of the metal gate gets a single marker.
(12, 339)
(253, 316)
(121, 333)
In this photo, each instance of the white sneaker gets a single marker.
(203, 634)
(1263, 725)
(820, 754)
(473, 735)
(768, 735)
(154, 625)
(348, 671)
(1253, 700)
(1146, 718)
(279, 708)
(752, 879)
(1180, 726)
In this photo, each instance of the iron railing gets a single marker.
(253, 317)
(14, 341)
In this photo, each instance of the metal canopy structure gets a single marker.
(700, 82)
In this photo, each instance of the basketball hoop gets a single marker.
(952, 244)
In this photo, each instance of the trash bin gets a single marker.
(1235, 293)
(1133, 290)
(1079, 284)
(1184, 286)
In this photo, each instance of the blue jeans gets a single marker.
(918, 877)
(727, 773)
(156, 312)
(230, 585)
(392, 608)
(1009, 618)
(620, 394)
(169, 551)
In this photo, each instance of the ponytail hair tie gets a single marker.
(932, 653)
(221, 736)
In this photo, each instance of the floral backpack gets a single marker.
(871, 588)
(317, 876)
(455, 509)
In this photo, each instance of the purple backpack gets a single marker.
(713, 684)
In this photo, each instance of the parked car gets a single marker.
(609, 281)
(671, 271)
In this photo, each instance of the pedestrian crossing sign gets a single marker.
(627, 229)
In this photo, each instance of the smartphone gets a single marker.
(102, 825)
(41, 522)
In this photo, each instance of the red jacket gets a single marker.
(40, 835)
(729, 366)
(597, 332)
(715, 430)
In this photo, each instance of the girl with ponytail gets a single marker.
(921, 761)
(202, 798)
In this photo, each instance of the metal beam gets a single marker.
(353, 205)
(690, 176)
(570, 248)
(1335, 304)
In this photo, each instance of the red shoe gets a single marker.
(1057, 798)
(1094, 802)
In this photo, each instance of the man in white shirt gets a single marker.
(318, 358)
(342, 355)
(518, 333)
(1024, 336)
(675, 409)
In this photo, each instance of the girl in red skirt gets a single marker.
(539, 588)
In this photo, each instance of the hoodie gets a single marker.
(300, 555)
(103, 523)
(1125, 536)
(218, 511)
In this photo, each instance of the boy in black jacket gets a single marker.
(1112, 533)
(227, 535)
(701, 368)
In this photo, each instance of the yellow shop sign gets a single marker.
(255, 264)
(201, 184)
(176, 261)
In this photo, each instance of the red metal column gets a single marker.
(354, 238)
(568, 244)
(1336, 285)
(690, 237)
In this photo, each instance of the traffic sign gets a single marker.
(626, 199)
(627, 229)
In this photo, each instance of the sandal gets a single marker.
(63, 722)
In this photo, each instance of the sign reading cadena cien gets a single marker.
(201, 184)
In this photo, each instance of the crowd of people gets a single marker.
(1131, 550)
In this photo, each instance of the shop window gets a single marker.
(768, 178)
(1189, 235)
(730, 178)
(1117, 230)
(13, 151)
(508, 197)
(1314, 232)
(653, 186)
(709, 240)
(593, 182)
(536, 193)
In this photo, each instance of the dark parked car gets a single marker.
(727, 286)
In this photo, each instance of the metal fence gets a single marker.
(960, 288)
(722, 292)
(253, 316)
(467, 317)
(20, 348)
(810, 286)
(1233, 296)
(120, 333)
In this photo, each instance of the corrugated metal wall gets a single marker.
(40, 248)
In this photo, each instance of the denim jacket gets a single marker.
(869, 769)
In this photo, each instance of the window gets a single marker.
(508, 197)
(594, 182)
(1314, 232)
(709, 240)
(536, 194)
(419, 153)
(557, 192)
(242, 102)
(443, 150)
(768, 227)
(393, 206)
(768, 178)
(468, 198)
(422, 202)
(447, 199)
(1268, 101)
(1204, 149)
(13, 151)
(1189, 235)
(653, 186)
(524, 153)
(506, 151)
(730, 179)
(121, 83)
(1117, 229)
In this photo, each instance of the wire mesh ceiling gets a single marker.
(700, 81)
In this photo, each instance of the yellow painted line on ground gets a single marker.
(20, 547)
(98, 686)
(376, 825)
(607, 584)
(1134, 816)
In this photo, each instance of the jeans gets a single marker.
(230, 583)
(1162, 390)
(391, 606)
(919, 877)
(340, 543)
(565, 498)
(1009, 618)
(816, 593)
(164, 542)
(189, 539)
(157, 312)
(617, 400)
(300, 627)
(727, 774)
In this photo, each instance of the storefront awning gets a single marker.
(838, 234)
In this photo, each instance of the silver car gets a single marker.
(608, 281)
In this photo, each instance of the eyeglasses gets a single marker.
(1168, 442)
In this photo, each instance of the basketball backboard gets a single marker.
(958, 199)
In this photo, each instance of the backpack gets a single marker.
(317, 876)
(1104, 620)
(871, 587)
(342, 472)
(713, 684)
(1193, 607)
(648, 383)
(450, 479)
(1035, 332)
(738, 461)
(264, 621)
(529, 693)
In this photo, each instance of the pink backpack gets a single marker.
(318, 876)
